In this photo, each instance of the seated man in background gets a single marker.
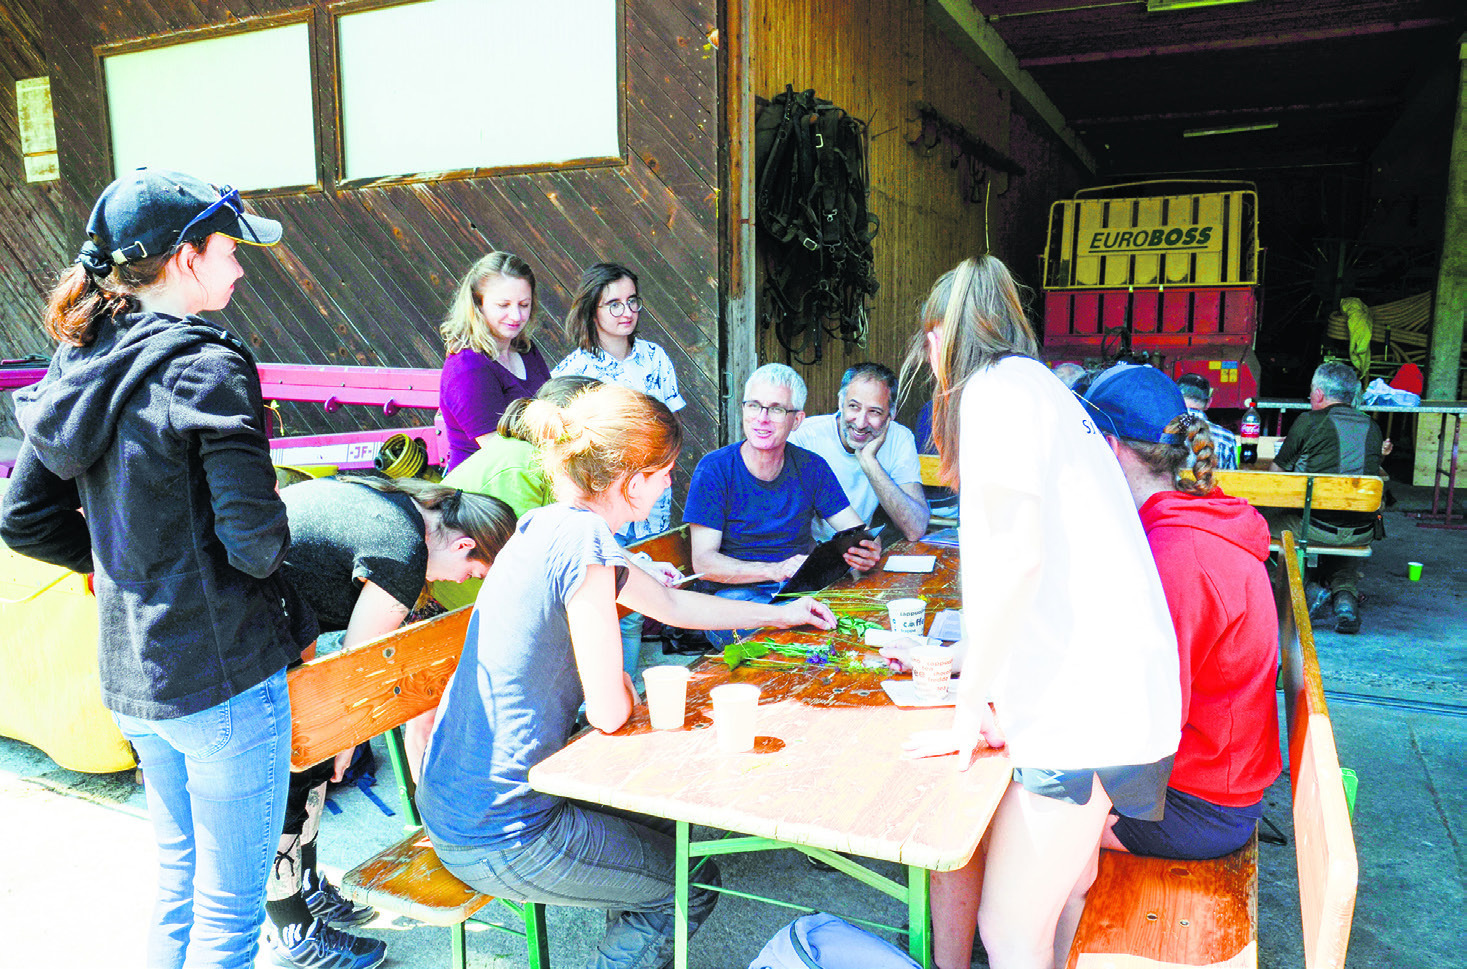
(750, 504)
(1332, 437)
(1197, 393)
(874, 458)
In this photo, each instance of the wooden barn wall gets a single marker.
(365, 274)
(878, 59)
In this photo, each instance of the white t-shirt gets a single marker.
(1066, 600)
(898, 455)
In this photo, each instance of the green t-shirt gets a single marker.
(508, 469)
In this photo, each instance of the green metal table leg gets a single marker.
(680, 915)
(459, 938)
(397, 753)
(919, 915)
(537, 943)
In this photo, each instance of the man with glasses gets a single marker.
(873, 457)
(750, 504)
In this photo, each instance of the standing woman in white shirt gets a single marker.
(1067, 625)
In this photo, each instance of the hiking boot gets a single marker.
(1347, 612)
(327, 903)
(322, 947)
(1317, 597)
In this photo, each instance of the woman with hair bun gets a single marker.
(1067, 628)
(490, 359)
(544, 638)
(1210, 550)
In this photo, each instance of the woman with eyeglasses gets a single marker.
(491, 360)
(603, 320)
(146, 463)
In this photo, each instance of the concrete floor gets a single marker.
(77, 882)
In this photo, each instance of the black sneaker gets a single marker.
(327, 903)
(322, 947)
(1347, 612)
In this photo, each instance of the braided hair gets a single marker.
(1172, 459)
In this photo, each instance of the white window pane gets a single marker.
(233, 109)
(452, 84)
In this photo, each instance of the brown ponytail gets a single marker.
(81, 297)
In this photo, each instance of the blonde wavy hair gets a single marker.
(464, 327)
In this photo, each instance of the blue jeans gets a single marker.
(757, 592)
(596, 858)
(216, 784)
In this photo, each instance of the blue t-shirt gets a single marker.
(512, 701)
(762, 521)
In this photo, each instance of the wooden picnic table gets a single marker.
(826, 773)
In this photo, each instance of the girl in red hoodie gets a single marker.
(1209, 549)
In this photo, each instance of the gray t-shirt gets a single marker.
(512, 701)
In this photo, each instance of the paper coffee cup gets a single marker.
(932, 669)
(907, 615)
(1413, 571)
(667, 695)
(735, 709)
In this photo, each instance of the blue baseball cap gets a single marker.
(1135, 402)
(149, 211)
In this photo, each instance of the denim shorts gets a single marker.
(1193, 829)
(1135, 790)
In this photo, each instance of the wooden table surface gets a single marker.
(826, 769)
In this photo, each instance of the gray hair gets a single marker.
(1336, 381)
(1069, 373)
(870, 370)
(778, 375)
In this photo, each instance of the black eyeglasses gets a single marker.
(616, 307)
(228, 198)
(752, 408)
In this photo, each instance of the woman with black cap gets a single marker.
(145, 462)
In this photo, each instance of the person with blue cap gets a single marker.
(146, 463)
(1210, 550)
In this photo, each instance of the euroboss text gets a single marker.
(1192, 238)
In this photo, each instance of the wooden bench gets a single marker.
(1308, 493)
(345, 698)
(1147, 912)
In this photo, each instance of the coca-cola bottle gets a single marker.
(1248, 433)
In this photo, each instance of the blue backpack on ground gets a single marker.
(823, 941)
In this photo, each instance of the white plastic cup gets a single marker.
(932, 669)
(735, 709)
(667, 695)
(907, 615)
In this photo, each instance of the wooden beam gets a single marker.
(739, 351)
(1352, 32)
(1443, 371)
(968, 29)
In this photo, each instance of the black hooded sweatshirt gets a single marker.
(145, 460)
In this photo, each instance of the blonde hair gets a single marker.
(1170, 459)
(464, 327)
(979, 307)
(603, 434)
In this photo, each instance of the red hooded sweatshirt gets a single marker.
(1210, 553)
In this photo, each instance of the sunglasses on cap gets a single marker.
(228, 198)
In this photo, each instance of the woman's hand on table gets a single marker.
(806, 612)
(964, 737)
(898, 654)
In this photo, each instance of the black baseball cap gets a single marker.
(149, 211)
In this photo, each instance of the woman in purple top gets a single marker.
(491, 360)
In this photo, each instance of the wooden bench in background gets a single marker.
(1308, 493)
(345, 698)
(1159, 912)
